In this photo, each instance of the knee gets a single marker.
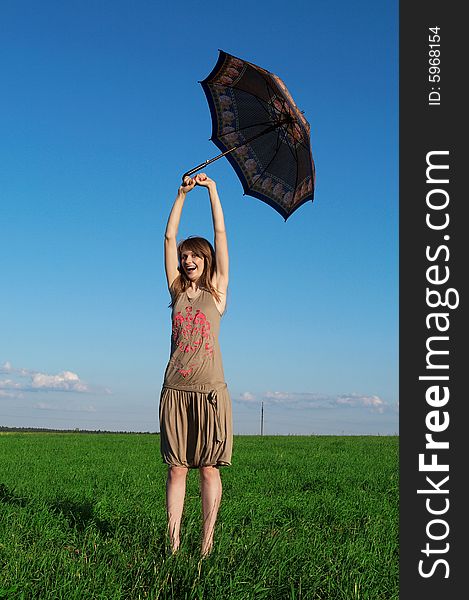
(177, 473)
(209, 474)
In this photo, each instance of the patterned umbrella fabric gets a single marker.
(259, 128)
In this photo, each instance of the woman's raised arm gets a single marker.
(221, 243)
(170, 244)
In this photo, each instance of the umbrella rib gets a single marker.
(270, 91)
(295, 156)
(258, 100)
(301, 142)
(270, 161)
(296, 180)
(262, 103)
(294, 152)
(241, 129)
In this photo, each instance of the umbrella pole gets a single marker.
(211, 160)
(254, 137)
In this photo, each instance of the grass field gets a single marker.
(82, 516)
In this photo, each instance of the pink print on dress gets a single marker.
(185, 372)
(192, 333)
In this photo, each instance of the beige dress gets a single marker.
(195, 406)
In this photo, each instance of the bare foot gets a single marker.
(206, 551)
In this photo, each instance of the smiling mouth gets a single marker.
(190, 269)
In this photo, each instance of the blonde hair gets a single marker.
(205, 250)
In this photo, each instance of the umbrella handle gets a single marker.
(204, 164)
(211, 160)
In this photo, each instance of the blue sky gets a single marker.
(101, 113)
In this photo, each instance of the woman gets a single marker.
(195, 407)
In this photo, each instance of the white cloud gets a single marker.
(26, 380)
(374, 402)
(48, 406)
(7, 368)
(9, 384)
(66, 381)
(10, 389)
(7, 394)
(313, 400)
(246, 397)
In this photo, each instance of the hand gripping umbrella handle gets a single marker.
(207, 162)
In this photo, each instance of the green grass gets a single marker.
(82, 516)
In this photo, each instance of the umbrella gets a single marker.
(258, 127)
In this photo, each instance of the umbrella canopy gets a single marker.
(258, 127)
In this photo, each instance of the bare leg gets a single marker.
(211, 490)
(175, 493)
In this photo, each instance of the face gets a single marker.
(192, 264)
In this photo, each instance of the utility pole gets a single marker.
(262, 418)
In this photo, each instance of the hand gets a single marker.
(187, 185)
(204, 181)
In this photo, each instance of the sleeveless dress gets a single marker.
(195, 406)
